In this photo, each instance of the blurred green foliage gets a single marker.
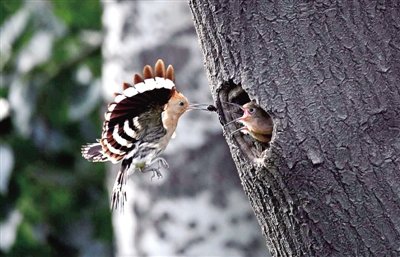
(8, 8)
(75, 13)
(62, 198)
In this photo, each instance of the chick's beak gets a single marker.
(246, 115)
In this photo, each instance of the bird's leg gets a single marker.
(156, 171)
(160, 161)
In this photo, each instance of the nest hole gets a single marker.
(234, 93)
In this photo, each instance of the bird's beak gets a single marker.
(204, 107)
(246, 114)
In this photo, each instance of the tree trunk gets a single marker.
(328, 73)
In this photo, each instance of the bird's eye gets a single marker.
(181, 103)
(251, 110)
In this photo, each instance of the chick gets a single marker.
(257, 123)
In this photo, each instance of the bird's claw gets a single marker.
(156, 172)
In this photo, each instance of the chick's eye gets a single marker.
(251, 110)
(181, 103)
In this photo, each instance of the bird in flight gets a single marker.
(138, 126)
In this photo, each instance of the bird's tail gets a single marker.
(94, 153)
(118, 196)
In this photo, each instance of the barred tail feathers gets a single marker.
(94, 153)
(118, 196)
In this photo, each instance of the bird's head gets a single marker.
(178, 105)
(251, 112)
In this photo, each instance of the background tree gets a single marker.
(198, 208)
(51, 202)
(328, 73)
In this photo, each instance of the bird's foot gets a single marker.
(156, 171)
(161, 161)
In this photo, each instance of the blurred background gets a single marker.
(61, 62)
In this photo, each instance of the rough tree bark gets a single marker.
(328, 73)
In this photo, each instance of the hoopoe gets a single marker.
(134, 131)
(257, 123)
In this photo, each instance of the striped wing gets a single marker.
(136, 113)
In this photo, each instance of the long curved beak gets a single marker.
(204, 107)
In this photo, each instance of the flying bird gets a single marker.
(138, 126)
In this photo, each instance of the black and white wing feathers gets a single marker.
(134, 115)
